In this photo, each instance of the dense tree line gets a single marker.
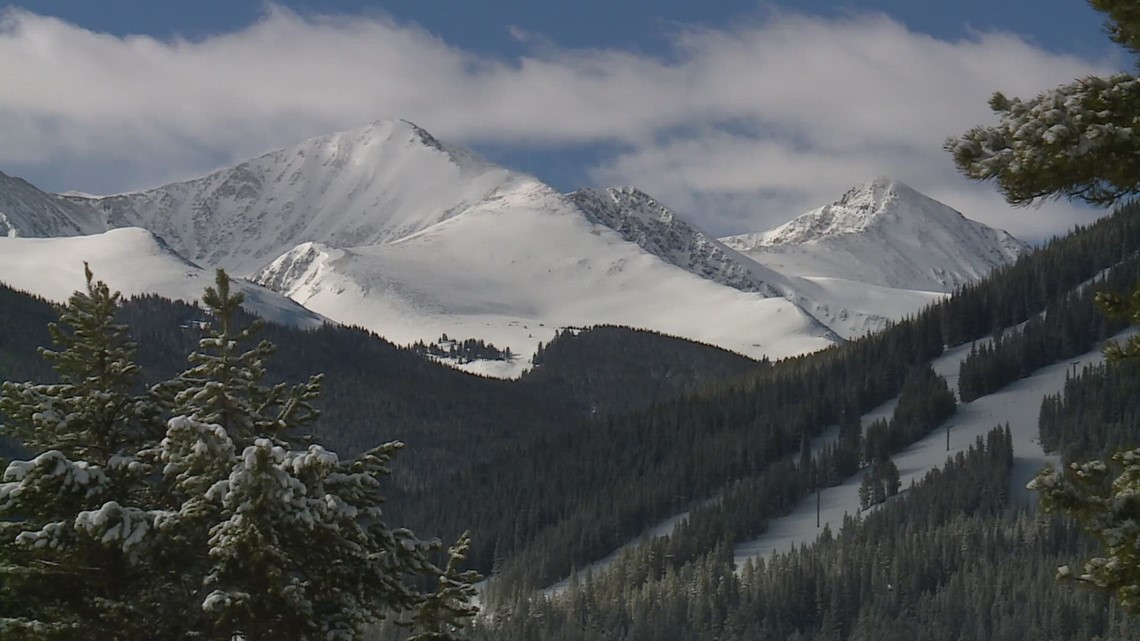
(1069, 326)
(742, 509)
(596, 364)
(448, 418)
(945, 560)
(1097, 413)
(463, 351)
(559, 500)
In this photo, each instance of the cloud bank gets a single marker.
(739, 129)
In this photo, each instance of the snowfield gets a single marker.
(132, 261)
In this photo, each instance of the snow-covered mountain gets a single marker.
(514, 268)
(25, 211)
(130, 260)
(640, 219)
(883, 233)
(373, 185)
(388, 228)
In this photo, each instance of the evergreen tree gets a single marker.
(891, 478)
(74, 519)
(295, 544)
(1075, 140)
(447, 610)
(224, 385)
(260, 540)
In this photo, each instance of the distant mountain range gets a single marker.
(388, 228)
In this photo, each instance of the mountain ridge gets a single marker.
(387, 227)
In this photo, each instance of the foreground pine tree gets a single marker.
(1075, 141)
(210, 526)
(74, 520)
(1078, 141)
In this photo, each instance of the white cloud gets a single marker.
(740, 128)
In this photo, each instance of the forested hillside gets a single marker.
(375, 391)
(952, 558)
(572, 499)
(949, 559)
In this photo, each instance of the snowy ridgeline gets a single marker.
(387, 228)
(1017, 404)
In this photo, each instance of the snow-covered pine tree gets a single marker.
(93, 411)
(74, 519)
(217, 531)
(1079, 141)
(224, 385)
(447, 610)
(1075, 141)
(295, 546)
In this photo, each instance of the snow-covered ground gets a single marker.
(853, 309)
(132, 261)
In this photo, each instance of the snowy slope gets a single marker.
(376, 184)
(848, 308)
(129, 260)
(388, 228)
(883, 233)
(28, 212)
(1018, 404)
(640, 219)
(513, 269)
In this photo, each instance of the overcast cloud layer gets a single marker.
(739, 130)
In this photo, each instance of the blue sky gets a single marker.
(738, 114)
(1060, 25)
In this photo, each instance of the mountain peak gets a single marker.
(860, 208)
(884, 233)
(378, 183)
(27, 211)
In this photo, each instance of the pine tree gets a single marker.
(447, 610)
(219, 529)
(891, 477)
(865, 491)
(93, 411)
(74, 519)
(295, 544)
(1077, 141)
(224, 385)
